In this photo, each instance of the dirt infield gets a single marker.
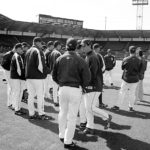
(128, 130)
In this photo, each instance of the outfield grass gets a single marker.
(128, 131)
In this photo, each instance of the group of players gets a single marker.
(76, 77)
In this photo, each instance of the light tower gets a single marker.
(139, 12)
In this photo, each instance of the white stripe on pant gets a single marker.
(127, 91)
(69, 100)
(91, 108)
(35, 87)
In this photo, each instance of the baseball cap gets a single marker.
(132, 49)
(25, 44)
(50, 43)
(56, 43)
(85, 42)
(18, 45)
(71, 44)
(96, 45)
(37, 39)
(109, 50)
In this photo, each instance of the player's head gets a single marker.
(50, 45)
(25, 46)
(18, 48)
(132, 49)
(86, 45)
(139, 52)
(109, 51)
(57, 45)
(71, 44)
(37, 41)
(96, 47)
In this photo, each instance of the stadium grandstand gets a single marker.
(12, 32)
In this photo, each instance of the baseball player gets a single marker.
(54, 55)
(71, 73)
(35, 73)
(17, 76)
(48, 81)
(82, 110)
(131, 67)
(6, 61)
(139, 89)
(110, 63)
(94, 88)
(96, 48)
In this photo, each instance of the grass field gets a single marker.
(128, 130)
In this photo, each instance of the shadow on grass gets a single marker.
(113, 125)
(115, 141)
(147, 94)
(141, 104)
(50, 109)
(135, 114)
(145, 102)
(118, 141)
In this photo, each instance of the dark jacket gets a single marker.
(6, 61)
(95, 65)
(47, 55)
(131, 67)
(32, 63)
(71, 70)
(54, 55)
(13, 68)
(110, 62)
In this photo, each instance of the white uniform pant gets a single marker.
(55, 92)
(139, 91)
(48, 85)
(91, 108)
(82, 110)
(127, 91)
(17, 92)
(69, 100)
(108, 77)
(35, 87)
(9, 88)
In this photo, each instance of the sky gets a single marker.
(96, 14)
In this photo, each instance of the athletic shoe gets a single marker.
(83, 125)
(131, 109)
(62, 140)
(103, 105)
(56, 104)
(111, 84)
(70, 146)
(32, 117)
(115, 108)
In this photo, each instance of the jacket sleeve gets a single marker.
(124, 62)
(54, 72)
(93, 65)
